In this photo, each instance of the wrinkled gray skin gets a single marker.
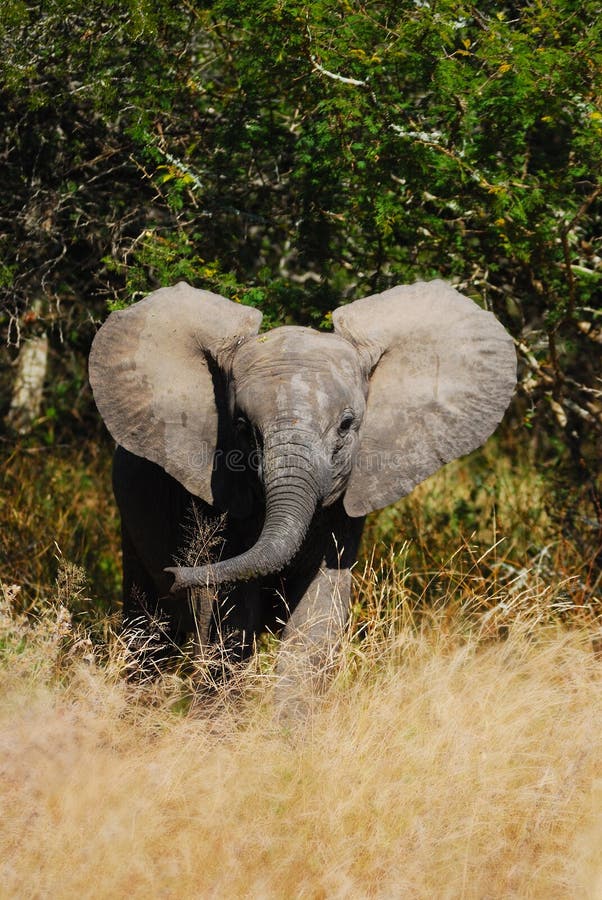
(295, 435)
(297, 398)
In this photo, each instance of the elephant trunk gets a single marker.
(293, 487)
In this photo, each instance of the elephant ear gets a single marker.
(155, 381)
(444, 372)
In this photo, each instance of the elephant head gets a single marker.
(409, 380)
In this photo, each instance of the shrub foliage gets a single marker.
(294, 155)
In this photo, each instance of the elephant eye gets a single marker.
(346, 422)
(243, 426)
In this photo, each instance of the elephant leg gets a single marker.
(311, 640)
(151, 504)
(151, 624)
(238, 618)
(139, 592)
(227, 623)
(312, 636)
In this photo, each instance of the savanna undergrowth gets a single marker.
(457, 753)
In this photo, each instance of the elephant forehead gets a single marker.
(291, 351)
(291, 368)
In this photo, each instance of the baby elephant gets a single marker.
(291, 437)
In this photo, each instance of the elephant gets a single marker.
(287, 439)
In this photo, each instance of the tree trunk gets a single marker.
(28, 388)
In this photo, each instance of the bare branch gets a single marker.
(583, 208)
(336, 77)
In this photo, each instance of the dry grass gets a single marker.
(443, 762)
(58, 497)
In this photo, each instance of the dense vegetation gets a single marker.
(293, 156)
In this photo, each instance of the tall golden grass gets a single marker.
(457, 753)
